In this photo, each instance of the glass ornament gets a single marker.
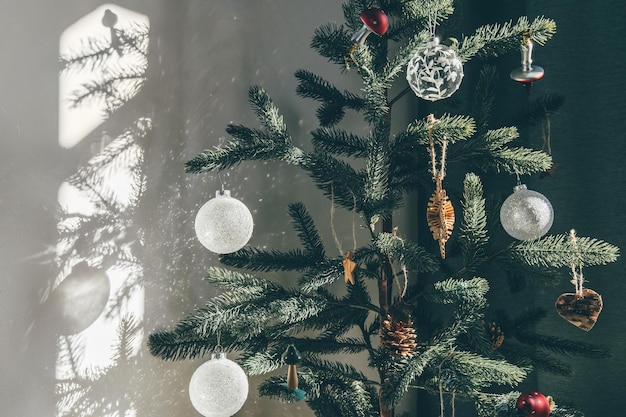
(219, 387)
(223, 224)
(526, 214)
(435, 72)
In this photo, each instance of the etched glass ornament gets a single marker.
(224, 224)
(219, 387)
(526, 214)
(435, 72)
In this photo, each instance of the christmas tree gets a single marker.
(418, 311)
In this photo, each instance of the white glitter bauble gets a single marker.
(526, 214)
(219, 387)
(435, 72)
(224, 224)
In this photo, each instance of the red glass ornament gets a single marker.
(533, 403)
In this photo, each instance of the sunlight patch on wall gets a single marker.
(83, 105)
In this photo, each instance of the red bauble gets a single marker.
(534, 404)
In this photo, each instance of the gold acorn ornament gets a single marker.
(398, 336)
(440, 212)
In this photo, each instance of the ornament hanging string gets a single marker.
(405, 272)
(332, 221)
(577, 266)
(349, 266)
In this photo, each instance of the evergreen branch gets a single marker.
(333, 101)
(410, 254)
(403, 55)
(529, 356)
(172, 346)
(234, 280)
(307, 232)
(263, 361)
(539, 108)
(376, 187)
(332, 41)
(374, 86)
(556, 251)
(456, 290)
(468, 372)
(448, 127)
(259, 260)
(496, 39)
(325, 273)
(489, 151)
(562, 346)
(337, 179)
(339, 142)
(473, 236)
(268, 114)
(483, 101)
(399, 380)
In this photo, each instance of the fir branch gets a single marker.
(339, 142)
(556, 251)
(562, 346)
(473, 237)
(484, 97)
(172, 346)
(468, 372)
(448, 127)
(336, 178)
(307, 232)
(489, 151)
(323, 274)
(496, 39)
(539, 108)
(374, 86)
(398, 383)
(400, 59)
(333, 101)
(255, 259)
(410, 254)
(538, 359)
(332, 41)
(264, 361)
(456, 290)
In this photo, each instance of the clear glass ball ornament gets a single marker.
(435, 72)
(219, 387)
(526, 214)
(224, 224)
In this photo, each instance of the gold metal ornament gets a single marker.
(440, 212)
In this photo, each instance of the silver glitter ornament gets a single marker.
(526, 214)
(224, 224)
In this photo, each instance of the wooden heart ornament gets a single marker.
(580, 309)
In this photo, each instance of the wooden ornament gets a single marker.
(348, 268)
(440, 217)
(581, 309)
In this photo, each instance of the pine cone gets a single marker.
(398, 338)
(496, 334)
